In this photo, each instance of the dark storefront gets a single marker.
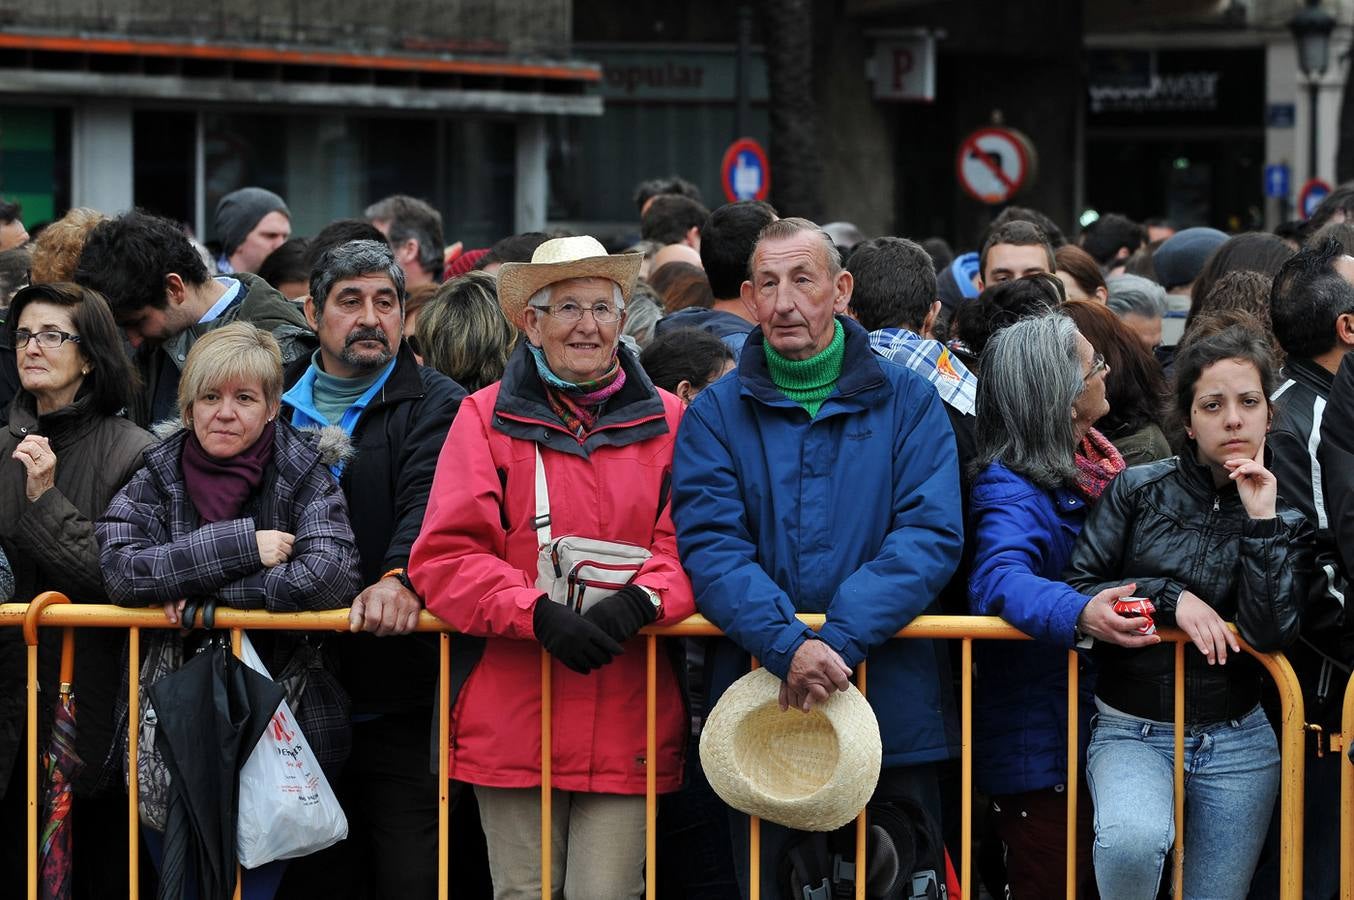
(669, 109)
(1177, 133)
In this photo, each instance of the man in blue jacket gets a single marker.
(820, 478)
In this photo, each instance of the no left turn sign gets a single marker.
(994, 164)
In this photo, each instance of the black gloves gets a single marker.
(623, 613)
(592, 640)
(570, 638)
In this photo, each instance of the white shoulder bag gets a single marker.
(579, 571)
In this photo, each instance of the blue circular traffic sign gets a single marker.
(745, 172)
(1311, 195)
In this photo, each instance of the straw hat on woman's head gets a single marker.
(560, 260)
(810, 772)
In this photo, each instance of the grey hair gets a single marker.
(408, 217)
(351, 260)
(1031, 379)
(782, 229)
(648, 248)
(542, 297)
(1137, 295)
(642, 318)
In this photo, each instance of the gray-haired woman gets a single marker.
(1040, 462)
(1141, 303)
(576, 426)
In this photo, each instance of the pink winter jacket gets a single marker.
(475, 565)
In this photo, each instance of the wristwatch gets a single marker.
(656, 600)
(403, 578)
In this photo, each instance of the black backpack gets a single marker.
(904, 858)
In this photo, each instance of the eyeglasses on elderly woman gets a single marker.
(47, 340)
(1098, 365)
(602, 313)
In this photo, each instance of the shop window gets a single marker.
(331, 167)
(595, 163)
(162, 163)
(35, 161)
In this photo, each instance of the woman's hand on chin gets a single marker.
(1255, 484)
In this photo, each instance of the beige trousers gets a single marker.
(597, 844)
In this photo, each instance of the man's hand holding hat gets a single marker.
(815, 672)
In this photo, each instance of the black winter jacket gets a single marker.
(396, 443)
(9, 368)
(1322, 658)
(1336, 454)
(51, 545)
(1167, 528)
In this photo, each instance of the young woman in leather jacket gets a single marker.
(1204, 537)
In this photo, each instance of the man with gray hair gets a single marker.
(821, 478)
(414, 230)
(1140, 303)
(365, 380)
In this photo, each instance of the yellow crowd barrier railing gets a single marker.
(54, 610)
(1346, 794)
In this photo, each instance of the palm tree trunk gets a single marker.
(796, 159)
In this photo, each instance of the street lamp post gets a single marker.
(1311, 28)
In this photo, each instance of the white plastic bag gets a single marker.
(287, 808)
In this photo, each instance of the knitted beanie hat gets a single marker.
(239, 211)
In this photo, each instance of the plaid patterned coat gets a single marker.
(153, 549)
(6, 579)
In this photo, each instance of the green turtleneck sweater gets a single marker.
(809, 382)
(333, 396)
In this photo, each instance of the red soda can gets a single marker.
(1137, 607)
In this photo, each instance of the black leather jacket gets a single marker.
(396, 442)
(1165, 527)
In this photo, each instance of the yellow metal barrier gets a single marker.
(56, 611)
(1346, 795)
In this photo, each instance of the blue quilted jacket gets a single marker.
(854, 512)
(1023, 537)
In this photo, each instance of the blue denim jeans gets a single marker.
(1231, 780)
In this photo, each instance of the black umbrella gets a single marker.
(211, 713)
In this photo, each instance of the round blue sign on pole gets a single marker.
(1311, 195)
(745, 172)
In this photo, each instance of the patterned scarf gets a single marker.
(578, 405)
(1098, 461)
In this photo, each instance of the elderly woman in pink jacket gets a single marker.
(549, 526)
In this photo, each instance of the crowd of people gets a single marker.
(742, 415)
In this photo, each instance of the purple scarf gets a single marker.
(220, 487)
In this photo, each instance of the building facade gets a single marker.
(511, 115)
(115, 103)
(1199, 100)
